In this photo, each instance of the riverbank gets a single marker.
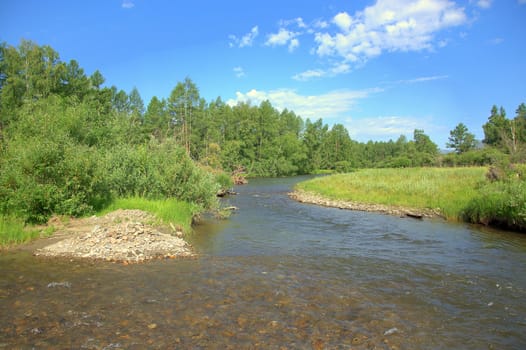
(312, 198)
(125, 236)
(442, 192)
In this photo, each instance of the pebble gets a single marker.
(391, 331)
(129, 240)
(59, 284)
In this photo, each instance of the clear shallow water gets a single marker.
(280, 274)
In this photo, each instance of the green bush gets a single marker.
(61, 158)
(343, 167)
(224, 180)
(39, 177)
(501, 203)
(158, 170)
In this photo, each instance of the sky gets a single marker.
(382, 68)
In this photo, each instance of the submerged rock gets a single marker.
(59, 284)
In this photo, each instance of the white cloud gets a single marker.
(282, 37)
(296, 21)
(423, 79)
(383, 128)
(329, 105)
(343, 20)
(294, 43)
(127, 4)
(309, 74)
(245, 40)
(321, 24)
(239, 72)
(338, 68)
(485, 4)
(521, 2)
(405, 25)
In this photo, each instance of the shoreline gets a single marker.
(312, 198)
(122, 236)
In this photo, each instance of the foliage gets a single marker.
(460, 139)
(168, 210)
(476, 157)
(158, 170)
(444, 189)
(69, 144)
(13, 230)
(500, 203)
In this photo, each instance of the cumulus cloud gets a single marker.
(385, 26)
(407, 25)
(329, 105)
(246, 40)
(343, 20)
(283, 37)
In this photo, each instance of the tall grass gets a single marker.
(174, 211)
(501, 203)
(14, 231)
(446, 189)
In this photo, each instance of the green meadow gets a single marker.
(446, 189)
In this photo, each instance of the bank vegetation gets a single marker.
(73, 145)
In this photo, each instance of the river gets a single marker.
(281, 275)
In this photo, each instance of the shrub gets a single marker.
(501, 203)
(343, 167)
(39, 177)
(159, 170)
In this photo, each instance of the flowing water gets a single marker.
(281, 275)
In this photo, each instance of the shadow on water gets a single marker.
(280, 274)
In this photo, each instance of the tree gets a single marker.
(96, 79)
(520, 122)
(461, 140)
(156, 119)
(496, 127)
(313, 138)
(136, 104)
(426, 150)
(181, 105)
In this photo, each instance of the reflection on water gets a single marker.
(281, 275)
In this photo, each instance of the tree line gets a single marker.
(69, 143)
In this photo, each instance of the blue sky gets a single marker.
(382, 68)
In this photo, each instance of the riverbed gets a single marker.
(281, 275)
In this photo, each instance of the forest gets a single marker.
(70, 143)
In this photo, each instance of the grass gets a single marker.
(14, 231)
(446, 189)
(173, 211)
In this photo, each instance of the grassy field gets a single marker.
(180, 214)
(449, 189)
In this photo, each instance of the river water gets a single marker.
(281, 275)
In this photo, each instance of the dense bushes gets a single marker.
(52, 163)
(158, 170)
(500, 203)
